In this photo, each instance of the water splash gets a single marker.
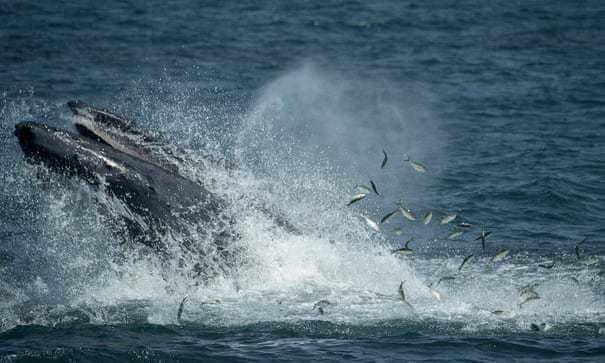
(299, 149)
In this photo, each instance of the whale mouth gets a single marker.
(123, 135)
(28, 134)
(89, 133)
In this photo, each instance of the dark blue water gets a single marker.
(502, 102)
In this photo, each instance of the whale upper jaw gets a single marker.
(123, 135)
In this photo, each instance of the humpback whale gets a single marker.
(132, 166)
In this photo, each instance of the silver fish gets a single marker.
(356, 198)
(464, 225)
(482, 237)
(531, 298)
(529, 289)
(388, 216)
(547, 266)
(372, 224)
(435, 293)
(374, 188)
(419, 167)
(427, 217)
(402, 294)
(403, 251)
(364, 189)
(397, 231)
(538, 327)
(321, 304)
(407, 214)
(448, 218)
(384, 161)
(455, 233)
(179, 313)
(466, 259)
(216, 301)
(577, 248)
(500, 255)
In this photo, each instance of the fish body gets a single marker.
(403, 251)
(577, 248)
(500, 255)
(448, 218)
(321, 304)
(465, 261)
(407, 214)
(547, 266)
(455, 233)
(388, 216)
(530, 298)
(482, 237)
(372, 224)
(356, 198)
(402, 294)
(364, 189)
(435, 294)
(419, 167)
(179, 313)
(529, 289)
(374, 188)
(427, 217)
(384, 161)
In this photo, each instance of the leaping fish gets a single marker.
(364, 189)
(179, 313)
(427, 217)
(465, 261)
(577, 248)
(530, 298)
(407, 213)
(455, 233)
(402, 294)
(372, 224)
(388, 216)
(448, 218)
(419, 167)
(500, 255)
(384, 161)
(356, 198)
(435, 293)
(374, 188)
(482, 237)
(320, 305)
(403, 251)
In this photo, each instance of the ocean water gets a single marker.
(502, 102)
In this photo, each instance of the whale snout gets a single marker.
(25, 133)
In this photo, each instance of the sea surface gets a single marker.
(502, 102)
